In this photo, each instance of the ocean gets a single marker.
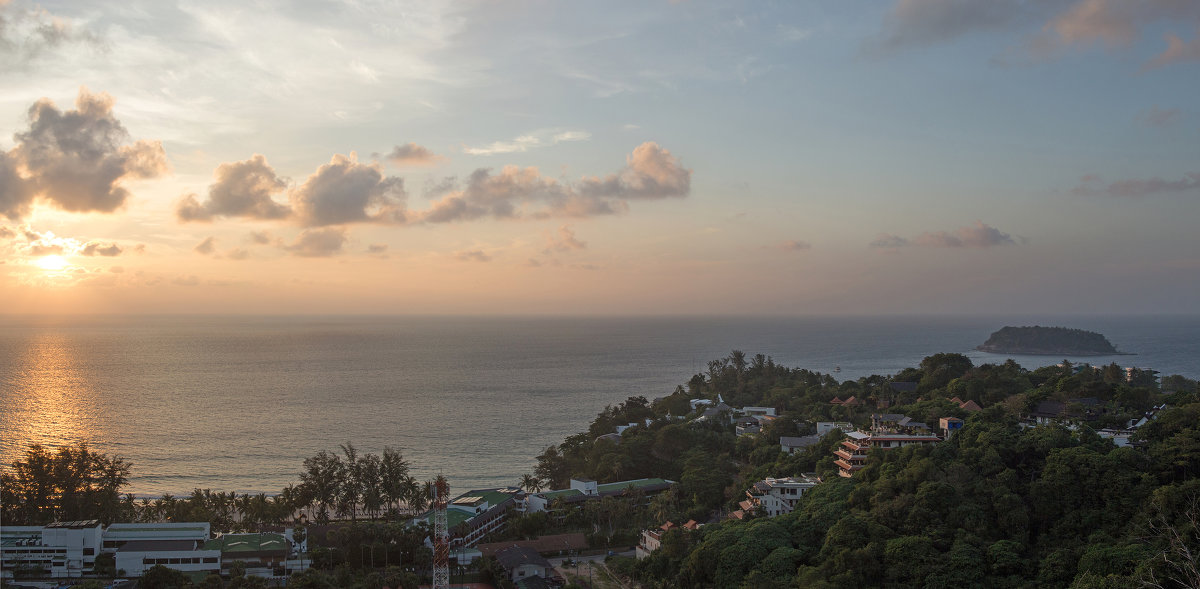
(237, 403)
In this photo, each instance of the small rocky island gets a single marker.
(1048, 341)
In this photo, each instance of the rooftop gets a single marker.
(234, 543)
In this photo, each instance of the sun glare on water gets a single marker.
(52, 263)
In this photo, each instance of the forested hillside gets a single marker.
(998, 505)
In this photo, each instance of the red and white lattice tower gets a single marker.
(441, 534)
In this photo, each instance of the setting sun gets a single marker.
(52, 263)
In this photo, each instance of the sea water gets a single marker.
(237, 403)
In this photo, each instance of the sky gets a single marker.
(643, 157)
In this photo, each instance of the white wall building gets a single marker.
(779, 496)
(824, 427)
(61, 550)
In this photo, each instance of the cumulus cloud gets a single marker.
(345, 191)
(242, 189)
(650, 172)
(979, 235)
(540, 138)
(318, 243)
(1091, 185)
(564, 241)
(16, 193)
(95, 248)
(76, 160)
(473, 256)
(206, 247)
(411, 154)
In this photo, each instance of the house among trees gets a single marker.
(888, 431)
(791, 444)
(651, 540)
(777, 496)
(582, 490)
(522, 562)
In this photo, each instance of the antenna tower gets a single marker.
(441, 534)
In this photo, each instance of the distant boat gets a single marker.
(837, 368)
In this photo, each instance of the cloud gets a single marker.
(259, 237)
(1177, 51)
(564, 241)
(1051, 24)
(794, 245)
(540, 138)
(6, 233)
(345, 191)
(95, 248)
(206, 247)
(377, 248)
(979, 235)
(887, 240)
(473, 256)
(1091, 185)
(650, 172)
(242, 189)
(76, 160)
(237, 253)
(318, 243)
(26, 35)
(411, 154)
(1156, 117)
(916, 23)
(16, 193)
(191, 280)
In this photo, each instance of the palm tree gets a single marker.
(530, 483)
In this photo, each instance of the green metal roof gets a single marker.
(234, 543)
(639, 484)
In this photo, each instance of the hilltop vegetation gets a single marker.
(996, 506)
(1048, 341)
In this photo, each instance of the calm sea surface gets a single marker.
(237, 403)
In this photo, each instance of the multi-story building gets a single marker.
(778, 496)
(68, 550)
(477, 513)
(888, 432)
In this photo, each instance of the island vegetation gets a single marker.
(996, 505)
(1048, 341)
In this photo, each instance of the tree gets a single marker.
(530, 483)
(161, 577)
(72, 483)
(322, 480)
(395, 481)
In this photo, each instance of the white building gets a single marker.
(778, 496)
(768, 411)
(61, 550)
(824, 427)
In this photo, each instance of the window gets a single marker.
(89, 551)
(210, 559)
